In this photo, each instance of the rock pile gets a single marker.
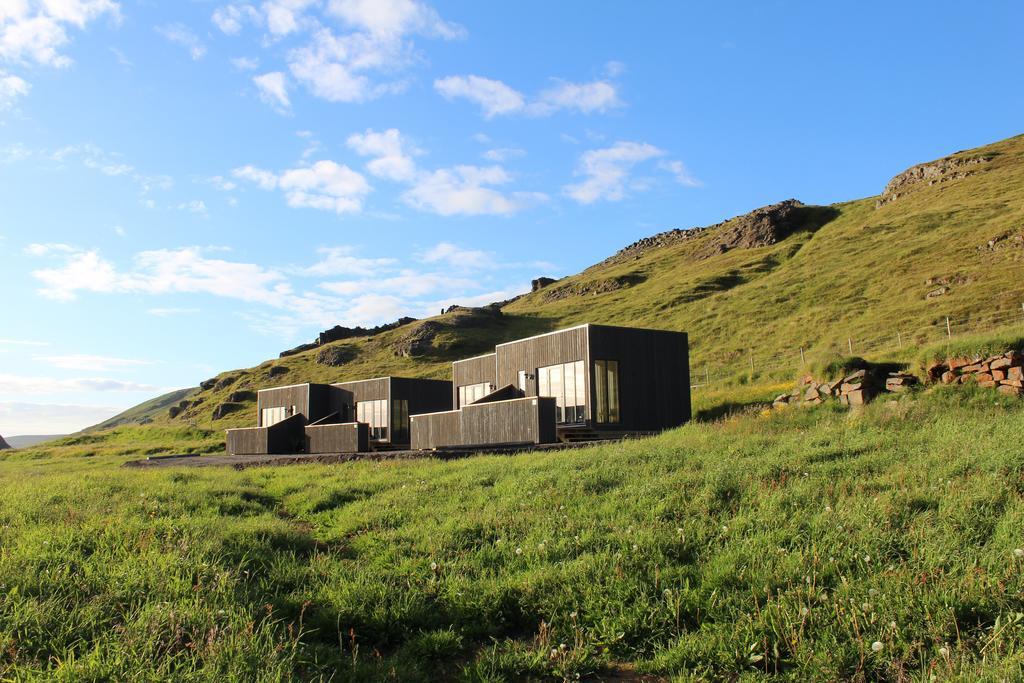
(1004, 372)
(854, 389)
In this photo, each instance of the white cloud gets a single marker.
(90, 363)
(394, 18)
(464, 190)
(119, 231)
(681, 174)
(332, 67)
(266, 180)
(11, 89)
(408, 284)
(391, 160)
(221, 183)
(273, 89)
(614, 69)
(22, 342)
(342, 261)
(21, 419)
(230, 18)
(195, 206)
(324, 185)
(110, 164)
(19, 385)
(606, 171)
(503, 154)
(459, 258)
(285, 16)
(182, 35)
(245, 63)
(461, 190)
(496, 98)
(35, 30)
(37, 249)
(599, 96)
(162, 271)
(166, 312)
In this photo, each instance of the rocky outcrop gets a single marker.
(175, 411)
(540, 283)
(925, 175)
(339, 333)
(593, 287)
(3, 444)
(335, 356)
(225, 409)
(224, 382)
(277, 371)
(760, 228)
(419, 342)
(241, 396)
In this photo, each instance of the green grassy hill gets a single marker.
(857, 272)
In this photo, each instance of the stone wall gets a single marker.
(1003, 372)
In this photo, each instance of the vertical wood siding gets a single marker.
(472, 371)
(350, 437)
(518, 421)
(566, 346)
(654, 375)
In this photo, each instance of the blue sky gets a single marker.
(192, 186)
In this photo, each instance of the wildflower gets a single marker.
(1018, 552)
(562, 646)
(433, 566)
(725, 529)
(519, 551)
(828, 508)
(679, 531)
(866, 606)
(572, 615)
(635, 547)
(892, 625)
(871, 591)
(944, 651)
(804, 611)
(877, 646)
(540, 546)
(498, 541)
(667, 592)
(867, 558)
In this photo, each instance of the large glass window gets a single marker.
(400, 421)
(375, 415)
(566, 384)
(606, 386)
(271, 416)
(473, 392)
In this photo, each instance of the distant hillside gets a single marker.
(945, 238)
(27, 440)
(144, 413)
(3, 444)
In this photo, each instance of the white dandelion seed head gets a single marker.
(433, 566)
(519, 551)
(944, 651)
(877, 646)
(1018, 552)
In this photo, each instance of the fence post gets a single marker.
(751, 361)
(899, 339)
(949, 330)
(802, 361)
(849, 342)
(707, 375)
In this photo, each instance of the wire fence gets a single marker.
(945, 328)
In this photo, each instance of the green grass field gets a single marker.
(803, 545)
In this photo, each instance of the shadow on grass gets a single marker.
(728, 409)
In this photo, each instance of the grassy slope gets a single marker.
(861, 275)
(784, 545)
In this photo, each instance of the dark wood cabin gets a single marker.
(325, 418)
(603, 379)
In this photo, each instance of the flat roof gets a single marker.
(545, 334)
(482, 355)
